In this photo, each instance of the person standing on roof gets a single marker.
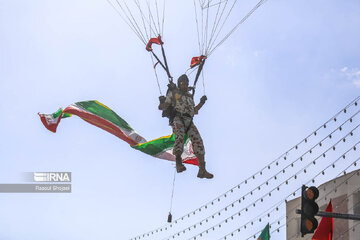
(183, 109)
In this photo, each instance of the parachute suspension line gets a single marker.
(192, 70)
(172, 196)
(219, 3)
(132, 17)
(217, 21)
(201, 38)
(214, 24)
(128, 22)
(137, 3)
(202, 30)
(145, 21)
(206, 28)
(156, 75)
(197, 28)
(223, 23)
(155, 28)
(152, 19)
(155, 32)
(142, 18)
(126, 9)
(207, 39)
(137, 31)
(149, 22)
(151, 29)
(163, 19)
(261, 2)
(157, 15)
(203, 82)
(165, 65)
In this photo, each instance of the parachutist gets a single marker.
(180, 108)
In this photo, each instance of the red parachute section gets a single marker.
(197, 60)
(153, 40)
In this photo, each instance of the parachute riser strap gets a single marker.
(162, 65)
(166, 64)
(198, 73)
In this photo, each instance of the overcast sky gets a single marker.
(288, 69)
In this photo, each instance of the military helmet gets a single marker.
(182, 78)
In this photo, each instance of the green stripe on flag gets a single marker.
(104, 112)
(66, 115)
(157, 146)
(57, 113)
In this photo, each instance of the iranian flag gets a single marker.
(103, 117)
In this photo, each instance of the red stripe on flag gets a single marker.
(51, 127)
(193, 161)
(101, 123)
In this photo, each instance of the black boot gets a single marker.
(179, 165)
(202, 171)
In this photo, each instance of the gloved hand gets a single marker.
(171, 85)
(203, 99)
(162, 99)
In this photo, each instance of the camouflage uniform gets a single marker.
(183, 123)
